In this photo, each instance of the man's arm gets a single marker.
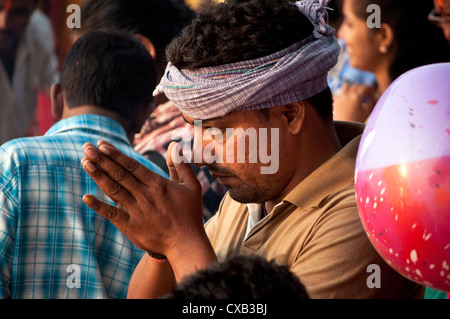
(158, 215)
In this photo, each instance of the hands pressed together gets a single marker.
(158, 215)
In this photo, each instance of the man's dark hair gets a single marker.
(112, 70)
(158, 20)
(241, 277)
(236, 31)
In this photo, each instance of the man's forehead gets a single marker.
(232, 119)
(210, 122)
(215, 121)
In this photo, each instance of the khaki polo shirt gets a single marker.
(317, 232)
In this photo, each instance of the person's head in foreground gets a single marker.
(241, 277)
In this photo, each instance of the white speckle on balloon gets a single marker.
(414, 225)
(419, 272)
(382, 191)
(379, 183)
(390, 250)
(413, 256)
(442, 273)
(367, 200)
(367, 141)
(370, 176)
(432, 266)
(445, 265)
(375, 205)
(447, 247)
(426, 236)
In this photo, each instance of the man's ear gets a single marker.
(57, 101)
(148, 44)
(294, 116)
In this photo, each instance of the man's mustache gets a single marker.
(218, 170)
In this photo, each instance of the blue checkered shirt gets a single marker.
(52, 246)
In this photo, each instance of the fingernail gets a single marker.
(91, 152)
(89, 166)
(105, 150)
(87, 199)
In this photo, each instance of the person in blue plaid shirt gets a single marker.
(52, 245)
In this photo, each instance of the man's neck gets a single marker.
(96, 110)
(313, 157)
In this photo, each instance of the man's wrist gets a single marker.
(191, 255)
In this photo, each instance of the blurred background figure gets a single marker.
(405, 39)
(28, 66)
(198, 5)
(343, 75)
(440, 15)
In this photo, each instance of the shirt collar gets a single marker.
(94, 124)
(339, 172)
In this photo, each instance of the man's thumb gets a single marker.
(179, 167)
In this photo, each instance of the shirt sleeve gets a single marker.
(8, 224)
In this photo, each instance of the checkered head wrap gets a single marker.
(290, 75)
